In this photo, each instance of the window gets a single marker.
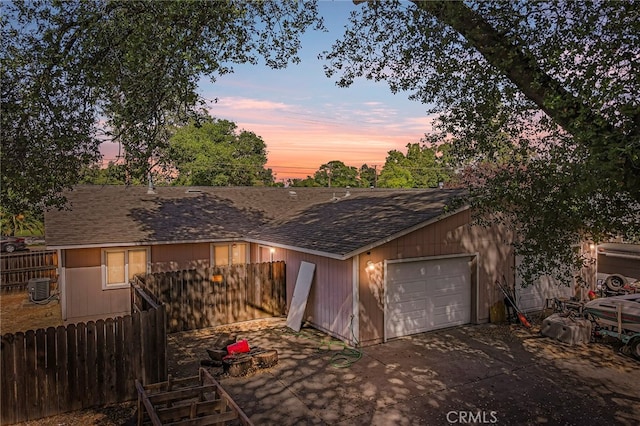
(120, 265)
(229, 254)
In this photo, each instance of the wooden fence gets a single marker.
(57, 370)
(204, 298)
(16, 269)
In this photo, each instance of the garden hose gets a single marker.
(343, 359)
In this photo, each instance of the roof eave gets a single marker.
(298, 249)
(337, 256)
(138, 243)
(404, 232)
(363, 249)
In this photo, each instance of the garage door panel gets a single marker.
(427, 295)
(403, 294)
(452, 314)
(404, 274)
(451, 293)
(451, 296)
(414, 315)
(409, 306)
(411, 288)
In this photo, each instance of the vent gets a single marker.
(38, 289)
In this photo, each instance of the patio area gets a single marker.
(498, 372)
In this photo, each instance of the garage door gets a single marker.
(427, 295)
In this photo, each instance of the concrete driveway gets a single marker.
(483, 374)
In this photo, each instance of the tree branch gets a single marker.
(522, 69)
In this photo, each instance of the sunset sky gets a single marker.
(305, 120)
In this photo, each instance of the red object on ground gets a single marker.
(239, 347)
(523, 320)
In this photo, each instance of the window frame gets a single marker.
(229, 246)
(126, 250)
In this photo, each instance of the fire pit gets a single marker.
(237, 358)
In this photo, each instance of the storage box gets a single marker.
(567, 329)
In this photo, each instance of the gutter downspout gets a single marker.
(355, 310)
(62, 281)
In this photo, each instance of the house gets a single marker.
(387, 262)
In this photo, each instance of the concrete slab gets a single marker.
(470, 374)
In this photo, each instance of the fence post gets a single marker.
(81, 348)
(161, 339)
(8, 396)
(137, 364)
(72, 374)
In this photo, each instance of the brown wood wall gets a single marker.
(449, 236)
(82, 258)
(57, 370)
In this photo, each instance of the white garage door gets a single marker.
(427, 295)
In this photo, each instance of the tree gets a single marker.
(75, 74)
(336, 174)
(368, 176)
(420, 168)
(215, 153)
(25, 223)
(113, 174)
(555, 81)
(394, 173)
(308, 182)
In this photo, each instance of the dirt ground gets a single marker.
(114, 415)
(17, 313)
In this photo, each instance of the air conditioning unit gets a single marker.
(38, 288)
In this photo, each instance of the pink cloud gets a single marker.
(299, 142)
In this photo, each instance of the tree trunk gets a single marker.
(607, 143)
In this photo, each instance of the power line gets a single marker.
(239, 166)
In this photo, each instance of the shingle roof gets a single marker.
(335, 221)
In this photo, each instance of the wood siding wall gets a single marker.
(46, 372)
(451, 235)
(85, 299)
(174, 257)
(330, 303)
(81, 258)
